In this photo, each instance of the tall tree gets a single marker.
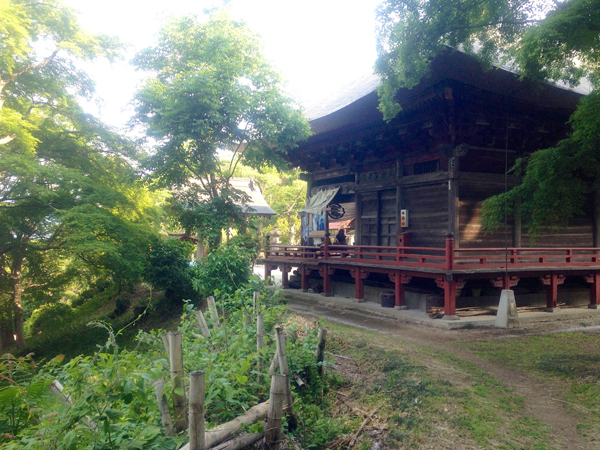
(212, 93)
(65, 188)
(544, 41)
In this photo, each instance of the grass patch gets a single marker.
(425, 408)
(569, 360)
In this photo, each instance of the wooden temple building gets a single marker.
(415, 186)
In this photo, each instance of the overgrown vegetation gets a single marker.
(112, 392)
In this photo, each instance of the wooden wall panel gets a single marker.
(427, 214)
(472, 194)
(368, 218)
(387, 218)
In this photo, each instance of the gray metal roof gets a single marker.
(321, 114)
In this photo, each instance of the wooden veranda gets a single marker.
(450, 267)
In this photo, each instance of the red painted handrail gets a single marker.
(447, 258)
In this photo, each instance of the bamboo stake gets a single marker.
(202, 323)
(196, 417)
(276, 401)
(163, 407)
(165, 340)
(247, 318)
(274, 364)
(176, 362)
(259, 339)
(256, 301)
(283, 366)
(56, 389)
(212, 306)
(322, 336)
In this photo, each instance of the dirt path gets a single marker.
(540, 398)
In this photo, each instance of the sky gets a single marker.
(318, 45)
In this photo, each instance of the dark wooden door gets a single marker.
(378, 218)
(387, 218)
(369, 212)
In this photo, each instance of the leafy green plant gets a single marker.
(225, 269)
(49, 317)
(112, 392)
(169, 269)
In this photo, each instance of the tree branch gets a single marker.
(491, 24)
(7, 139)
(30, 67)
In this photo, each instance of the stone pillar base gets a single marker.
(361, 300)
(556, 308)
(327, 294)
(450, 317)
(401, 308)
(594, 306)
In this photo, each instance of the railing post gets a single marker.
(449, 254)
(326, 245)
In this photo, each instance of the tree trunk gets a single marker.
(6, 316)
(17, 296)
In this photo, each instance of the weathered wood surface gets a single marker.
(196, 415)
(234, 427)
(163, 407)
(276, 401)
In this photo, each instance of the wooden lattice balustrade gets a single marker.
(449, 266)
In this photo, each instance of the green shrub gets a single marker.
(247, 241)
(224, 270)
(169, 269)
(121, 306)
(49, 317)
(102, 285)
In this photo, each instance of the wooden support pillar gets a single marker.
(400, 280)
(326, 273)
(594, 279)
(449, 287)
(285, 280)
(450, 300)
(552, 281)
(304, 271)
(449, 253)
(359, 287)
(267, 271)
(399, 294)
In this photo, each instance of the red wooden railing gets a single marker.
(447, 258)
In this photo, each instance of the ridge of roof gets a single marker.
(344, 96)
(366, 84)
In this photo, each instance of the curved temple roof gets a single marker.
(358, 101)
